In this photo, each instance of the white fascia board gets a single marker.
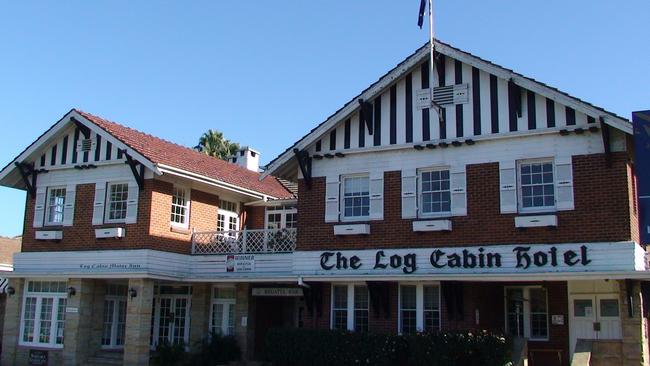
(61, 124)
(535, 86)
(271, 203)
(136, 155)
(499, 71)
(166, 169)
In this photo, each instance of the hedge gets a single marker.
(312, 347)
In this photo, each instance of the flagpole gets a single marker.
(432, 56)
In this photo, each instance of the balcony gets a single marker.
(244, 241)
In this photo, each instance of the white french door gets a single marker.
(223, 317)
(594, 316)
(114, 328)
(171, 319)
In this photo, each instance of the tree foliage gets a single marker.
(213, 143)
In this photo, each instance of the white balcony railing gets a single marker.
(244, 241)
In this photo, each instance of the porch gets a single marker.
(265, 241)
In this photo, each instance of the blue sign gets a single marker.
(641, 121)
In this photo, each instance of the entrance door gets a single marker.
(594, 317)
(171, 319)
(114, 322)
(271, 312)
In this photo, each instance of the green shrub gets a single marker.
(168, 354)
(216, 349)
(311, 347)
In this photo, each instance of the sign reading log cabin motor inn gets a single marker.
(240, 263)
(588, 257)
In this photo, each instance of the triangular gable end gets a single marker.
(61, 147)
(537, 103)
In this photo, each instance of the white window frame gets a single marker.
(520, 201)
(350, 305)
(526, 310)
(283, 211)
(229, 302)
(48, 206)
(421, 212)
(343, 217)
(228, 214)
(419, 304)
(107, 207)
(186, 217)
(56, 298)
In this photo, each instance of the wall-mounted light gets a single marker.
(72, 291)
(11, 290)
(133, 293)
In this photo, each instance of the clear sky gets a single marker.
(267, 72)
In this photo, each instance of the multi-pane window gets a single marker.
(356, 196)
(228, 217)
(537, 188)
(43, 315)
(180, 206)
(223, 310)
(419, 308)
(435, 195)
(55, 204)
(340, 307)
(118, 195)
(527, 312)
(361, 308)
(408, 309)
(114, 327)
(431, 308)
(281, 217)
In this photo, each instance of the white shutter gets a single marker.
(332, 189)
(409, 194)
(132, 203)
(39, 206)
(68, 207)
(377, 196)
(458, 185)
(508, 186)
(564, 183)
(98, 206)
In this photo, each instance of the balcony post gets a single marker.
(193, 241)
(244, 240)
(266, 240)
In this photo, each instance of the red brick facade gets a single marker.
(152, 230)
(602, 212)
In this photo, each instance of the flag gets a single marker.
(423, 4)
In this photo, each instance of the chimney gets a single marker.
(247, 157)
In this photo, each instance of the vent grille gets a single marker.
(451, 94)
(86, 145)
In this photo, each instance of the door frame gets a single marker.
(595, 297)
(156, 316)
(114, 327)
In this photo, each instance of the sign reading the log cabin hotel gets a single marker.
(588, 257)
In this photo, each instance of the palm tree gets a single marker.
(214, 144)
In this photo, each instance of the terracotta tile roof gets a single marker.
(160, 151)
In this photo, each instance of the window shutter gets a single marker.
(409, 194)
(68, 208)
(458, 185)
(332, 204)
(377, 196)
(132, 203)
(39, 206)
(98, 207)
(564, 183)
(508, 186)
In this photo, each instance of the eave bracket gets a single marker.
(137, 169)
(28, 174)
(304, 161)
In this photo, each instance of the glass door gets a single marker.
(171, 320)
(114, 328)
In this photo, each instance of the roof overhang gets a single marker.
(285, 165)
(9, 175)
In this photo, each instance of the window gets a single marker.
(222, 319)
(527, 312)
(228, 217)
(350, 307)
(118, 194)
(55, 204)
(281, 217)
(180, 207)
(356, 197)
(43, 315)
(536, 185)
(419, 308)
(435, 194)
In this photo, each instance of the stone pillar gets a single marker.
(76, 347)
(200, 314)
(97, 328)
(138, 323)
(11, 330)
(635, 341)
(241, 311)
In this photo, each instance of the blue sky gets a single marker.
(265, 73)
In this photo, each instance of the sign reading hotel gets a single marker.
(588, 257)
